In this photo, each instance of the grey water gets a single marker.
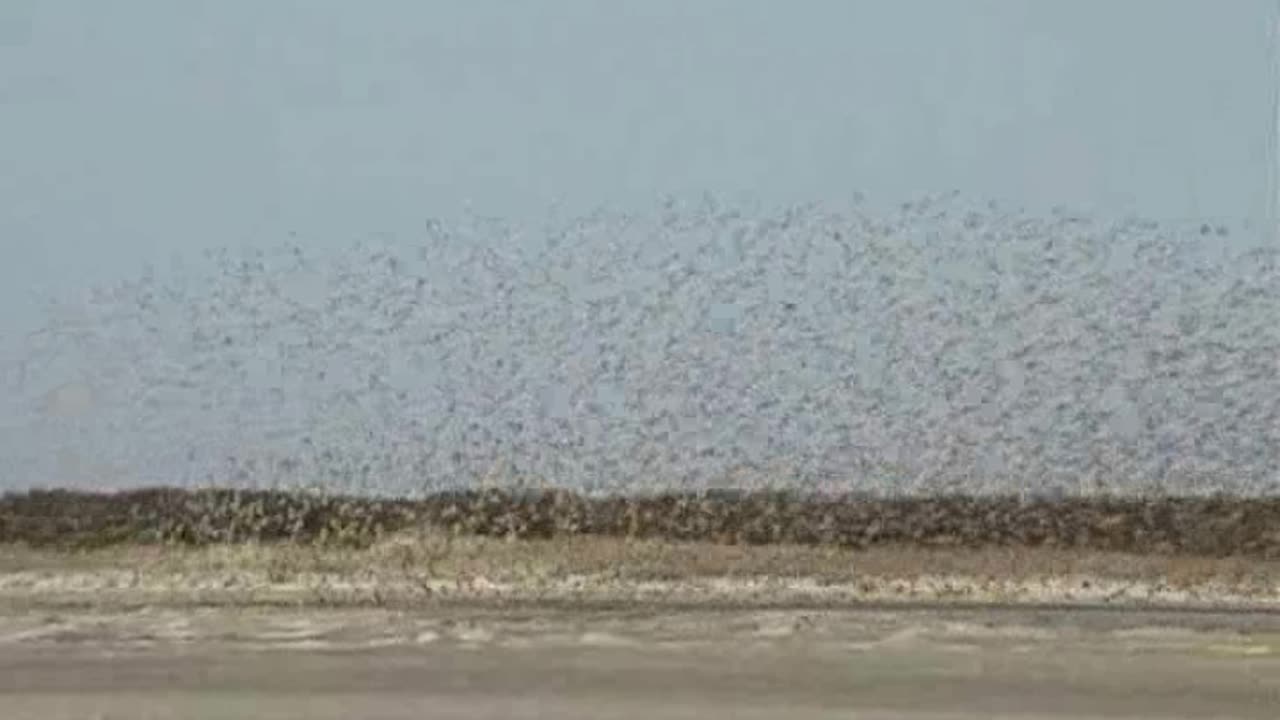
(913, 247)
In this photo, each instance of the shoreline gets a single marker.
(429, 619)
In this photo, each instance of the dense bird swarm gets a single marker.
(1188, 526)
(945, 348)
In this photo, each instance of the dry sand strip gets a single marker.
(432, 625)
(430, 568)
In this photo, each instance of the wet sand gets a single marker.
(644, 662)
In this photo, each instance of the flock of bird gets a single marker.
(945, 347)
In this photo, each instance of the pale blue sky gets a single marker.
(134, 129)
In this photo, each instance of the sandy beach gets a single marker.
(643, 662)
(600, 628)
